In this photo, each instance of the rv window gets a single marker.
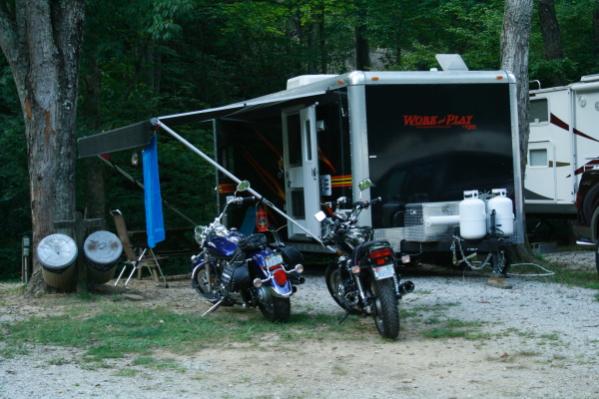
(308, 141)
(539, 111)
(294, 140)
(537, 157)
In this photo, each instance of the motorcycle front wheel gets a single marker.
(336, 288)
(386, 311)
(200, 282)
(274, 308)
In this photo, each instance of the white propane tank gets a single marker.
(473, 218)
(504, 211)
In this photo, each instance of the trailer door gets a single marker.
(300, 158)
(541, 172)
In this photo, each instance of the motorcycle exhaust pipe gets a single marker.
(406, 287)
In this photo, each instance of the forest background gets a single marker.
(143, 58)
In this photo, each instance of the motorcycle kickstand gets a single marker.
(213, 307)
(345, 316)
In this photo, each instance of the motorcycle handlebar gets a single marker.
(366, 204)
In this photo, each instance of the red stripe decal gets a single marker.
(586, 136)
(560, 123)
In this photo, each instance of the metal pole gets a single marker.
(231, 176)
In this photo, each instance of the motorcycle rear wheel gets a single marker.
(386, 310)
(334, 281)
(274, 308)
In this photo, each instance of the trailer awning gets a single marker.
(287, 97)
(139, 134)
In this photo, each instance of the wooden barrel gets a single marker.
(102, 251)
(57, 254)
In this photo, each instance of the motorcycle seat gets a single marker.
(253, 242)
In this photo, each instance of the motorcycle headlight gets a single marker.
(199, 233)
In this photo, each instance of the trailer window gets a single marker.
(537, 157)
(295, 140)
(538, 111)
(308, 141)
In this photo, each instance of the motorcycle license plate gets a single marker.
(383, 272)
(273, 260)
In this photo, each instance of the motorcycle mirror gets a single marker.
(320, 216)
(243, 185)
(341, 200)
(365, 184)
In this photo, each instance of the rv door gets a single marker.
(541, 176)
(300, 160)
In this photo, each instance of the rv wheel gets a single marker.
(597, 258)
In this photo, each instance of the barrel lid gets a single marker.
(102, 247)
(57, 251)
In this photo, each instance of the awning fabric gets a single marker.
(140, 134)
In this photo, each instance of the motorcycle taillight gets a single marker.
(381, 252)
(280, 277)
(381, 256)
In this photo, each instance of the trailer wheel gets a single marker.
(597, 258)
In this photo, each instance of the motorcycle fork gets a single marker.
(361, 291)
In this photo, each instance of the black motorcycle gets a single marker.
(363, 280)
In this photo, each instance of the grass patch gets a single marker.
(550, 337)
(453, 328)
(116, 330)
(58, 361)
(12, 351)
(577, 278)
(157, 364)
(126, 373)
(12, 288)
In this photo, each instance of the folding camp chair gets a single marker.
(136, 259)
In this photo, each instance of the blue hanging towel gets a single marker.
(152, 198)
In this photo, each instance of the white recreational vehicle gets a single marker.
(563, 145)
(423, 137)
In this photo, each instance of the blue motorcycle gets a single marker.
(233, 268)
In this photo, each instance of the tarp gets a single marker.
(153, 200)
(138, 135)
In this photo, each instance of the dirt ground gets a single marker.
(538, 340)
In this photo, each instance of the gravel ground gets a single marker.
(538, 340)
(575, 260)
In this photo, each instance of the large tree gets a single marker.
(514, 58)
(550, 30)
(41, 39)
(515, 39)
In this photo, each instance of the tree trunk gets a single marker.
(42, 45)
(514, 58)
(550, 30)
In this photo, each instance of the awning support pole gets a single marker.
(157, 122)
